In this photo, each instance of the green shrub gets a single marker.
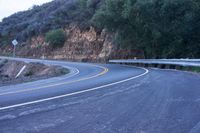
(56, 38)
(28, 74)
(4, 40)
(192, 69)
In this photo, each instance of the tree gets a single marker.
(56, 38)
(161, 28)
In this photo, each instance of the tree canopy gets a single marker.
(162, 28)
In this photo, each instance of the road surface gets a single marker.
(103, 98)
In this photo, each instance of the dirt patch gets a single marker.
(33, 71)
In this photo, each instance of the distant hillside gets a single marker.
(53, 15)
(146, 28)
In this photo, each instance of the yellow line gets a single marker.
(105, 70)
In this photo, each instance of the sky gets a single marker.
(8, 7)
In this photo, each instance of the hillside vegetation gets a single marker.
(56, 38)
(41, 19)
(159, 28)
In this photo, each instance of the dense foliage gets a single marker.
(41, 19)
(56, 38)
(160, 28)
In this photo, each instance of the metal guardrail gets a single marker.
(177, 62)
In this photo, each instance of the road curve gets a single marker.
(103, 98)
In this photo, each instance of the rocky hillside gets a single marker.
(81, 45)
(98, 30)
(84, 42)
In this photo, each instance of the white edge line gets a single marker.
(13, 92)
(74, 93)
(73, 72)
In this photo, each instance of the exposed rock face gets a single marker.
(79, 46)
(84, 45)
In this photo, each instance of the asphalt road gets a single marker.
(103, 98)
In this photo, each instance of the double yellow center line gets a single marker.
(105, 70)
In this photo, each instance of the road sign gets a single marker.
(14, 42)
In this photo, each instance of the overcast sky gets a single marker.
(8, 7)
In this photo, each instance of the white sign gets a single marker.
(14, 42)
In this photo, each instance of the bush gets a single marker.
(28, 74)
(56, 38)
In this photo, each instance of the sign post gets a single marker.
(14, 42)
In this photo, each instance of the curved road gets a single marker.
(103, 98)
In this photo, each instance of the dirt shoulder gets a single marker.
(33, 71)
